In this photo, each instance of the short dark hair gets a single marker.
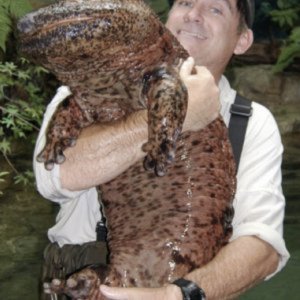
(246, 10)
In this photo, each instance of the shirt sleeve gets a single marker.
(79, 210)
(48, 182)
(259, 202)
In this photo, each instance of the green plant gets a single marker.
(10, 10)
(22, 102)
(288, 17)
(2, 174)
(160, 7)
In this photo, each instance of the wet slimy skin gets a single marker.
(161, 228)
(117, 57)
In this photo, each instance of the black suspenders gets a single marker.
(101, 229)
(241, 111)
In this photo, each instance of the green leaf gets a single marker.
(5, 28)
(8, 68)
(23, 75)
(4, 3)
(287, 56)
(18, 8)
(280, 4)
(2, 174)
(24, 178)
(8, 122)
(11, 9)
(40, 70)
(295, 35)
(11, 110)
(286, 17)
(5, 147)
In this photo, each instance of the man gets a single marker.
(211, 31)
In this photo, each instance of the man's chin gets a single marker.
(191, 44)
(191, 48)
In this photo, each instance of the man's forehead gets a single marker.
(229, 3)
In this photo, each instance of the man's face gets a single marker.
(207, 29)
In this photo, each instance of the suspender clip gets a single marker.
(241, 110)
(101, 231)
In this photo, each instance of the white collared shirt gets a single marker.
(259, 202)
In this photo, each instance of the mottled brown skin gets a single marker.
(116, 57)
(122, 60)
(167, 226)
(161, 228)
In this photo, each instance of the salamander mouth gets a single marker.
(65, 22)
(28, 27)
(63, 14)
(68, 13)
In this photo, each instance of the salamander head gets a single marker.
(71, 34)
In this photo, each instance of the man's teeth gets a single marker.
(193, 34)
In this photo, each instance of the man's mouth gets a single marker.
(196, 35)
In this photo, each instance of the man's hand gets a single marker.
(169, 292)
(204, 105)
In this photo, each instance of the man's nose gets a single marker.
(195, 14)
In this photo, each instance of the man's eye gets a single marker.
(216, 11)
(185, 3)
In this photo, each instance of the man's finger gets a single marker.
(114, 293)
(203, 71)
(187, 67)
(132, 293)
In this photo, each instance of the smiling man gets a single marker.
(211, 31)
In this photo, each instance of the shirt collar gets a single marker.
(227, 96)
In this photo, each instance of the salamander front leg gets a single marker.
(62, 132)
(167, 104)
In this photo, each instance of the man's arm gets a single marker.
(238, 266)
(103, 152)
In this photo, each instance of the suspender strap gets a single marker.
(101, 229)
(241, 111)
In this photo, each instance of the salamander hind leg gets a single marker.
(167, 104)
(84, 284)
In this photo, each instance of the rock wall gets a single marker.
(279, 92)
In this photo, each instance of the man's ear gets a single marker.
(244, 42)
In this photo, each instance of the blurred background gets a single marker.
(269, 73)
